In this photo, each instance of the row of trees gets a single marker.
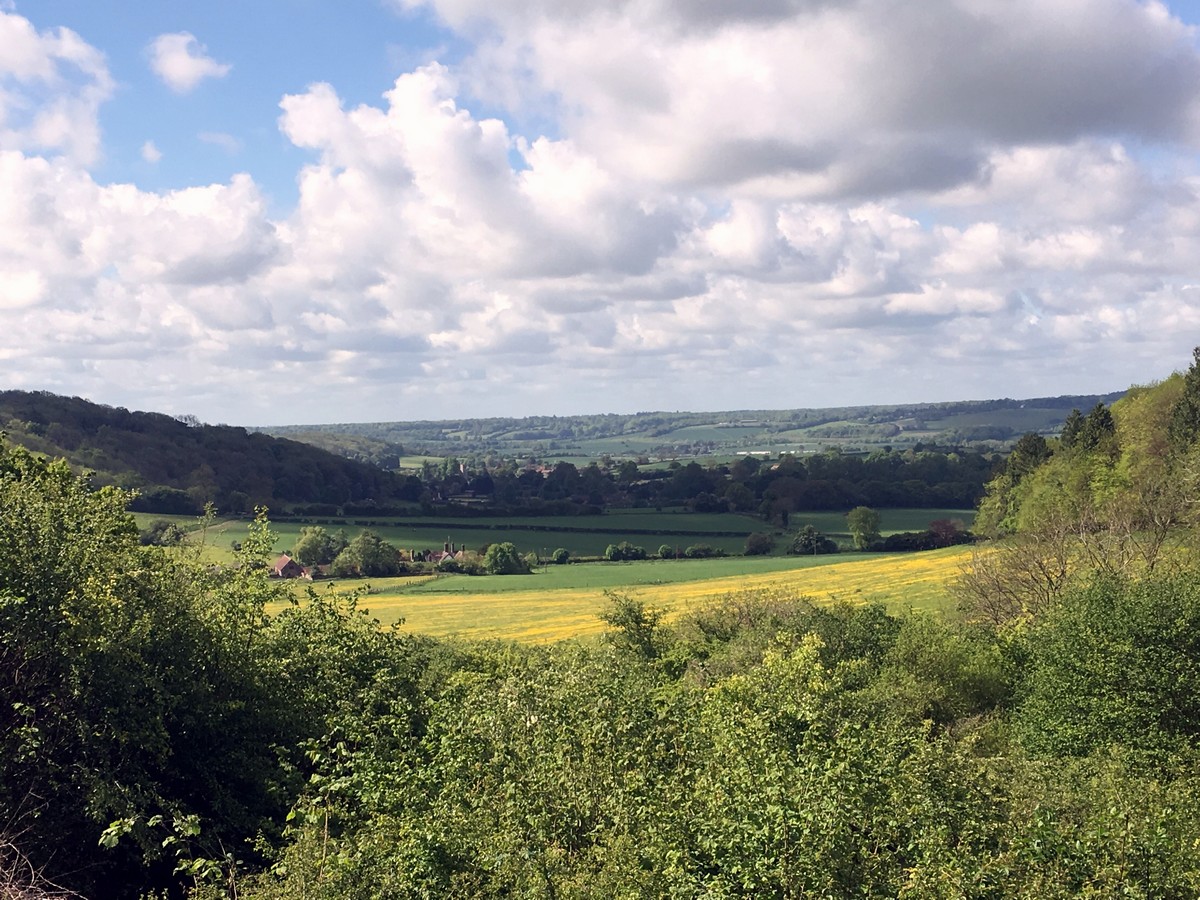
(772, 488)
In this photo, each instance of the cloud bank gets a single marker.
(790, 202)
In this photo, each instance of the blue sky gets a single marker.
(275, 48)
(301, 211)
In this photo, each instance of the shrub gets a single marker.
(1115, 663)
(811, 542)
(503, 559)
(759, 544)
(624, 551)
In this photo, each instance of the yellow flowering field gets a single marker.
(917, 581)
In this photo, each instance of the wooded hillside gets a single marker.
(177, 466)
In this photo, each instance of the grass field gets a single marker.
(581, 535)
(564, 601)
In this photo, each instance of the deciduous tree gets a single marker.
(863, 523)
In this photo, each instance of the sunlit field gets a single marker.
(580, 535)
(564, 601)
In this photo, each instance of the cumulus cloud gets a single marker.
(182, 62)
(782, 202)
(52, 84)
(443, 186)
(827, 99)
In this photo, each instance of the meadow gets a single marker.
(559, 602)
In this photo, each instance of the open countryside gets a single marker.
(582, 536)
(975, 703)
(504, 450)
(561, 602)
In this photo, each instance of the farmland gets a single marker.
(560, 602)
(581, 535)
(688, 435)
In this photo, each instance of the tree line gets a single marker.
(927, 477)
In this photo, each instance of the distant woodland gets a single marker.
(177, 465)
(975, 424)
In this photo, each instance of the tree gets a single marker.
(1027, 454)
(1098, 431)
(503, 559)
(368, 556)
(666, 551)
(948, 532)
(624, 551)
(810, 542)
(1070, 430)
(139, 692)
(560, 556)
(863, 523)
(760, 543)
(1184, 427)
(637, 624)
(162, 533)
(317, 547)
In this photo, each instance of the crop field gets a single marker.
(561, 602)
(580, 535)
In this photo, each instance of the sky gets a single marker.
(306, 211)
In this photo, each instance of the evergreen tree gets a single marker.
(1071, 428)
(1185, 417)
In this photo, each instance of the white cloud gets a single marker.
(52, 84)
(151, 153)
(182, 62)
(827, 99)
(784, 202)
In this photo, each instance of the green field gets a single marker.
(580, 535)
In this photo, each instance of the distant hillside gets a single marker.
(978, 424)
(179, 465)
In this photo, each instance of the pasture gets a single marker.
(580, 535)
(560, 602)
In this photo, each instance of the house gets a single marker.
(286, 567)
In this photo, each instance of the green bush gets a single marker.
(1115, 663)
